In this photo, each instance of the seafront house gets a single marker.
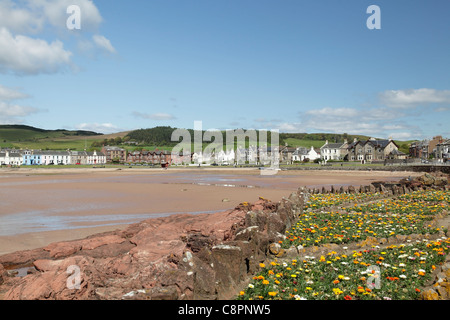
(155, 157)
(303, 154)
(10, 158)
(30, 158)
(373, 150)
(95, 157)
(286, 154)
(443, 150)
(114, 154)
(225, 157)
(333, 151)
(50, 157)
(182, 157)
(426, 149)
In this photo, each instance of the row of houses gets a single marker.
(362, 150)
(437, 148)
(10, 157)
(359, 150)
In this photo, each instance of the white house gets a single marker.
(54, 157)
(95, 157)
(332, 151)
(224, 157)
(200, 157)
(301, 153)
(10, 158)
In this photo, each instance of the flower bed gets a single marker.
(395, 272)
(383, 219)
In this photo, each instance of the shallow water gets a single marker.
(46, 203)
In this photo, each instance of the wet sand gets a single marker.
(41, 206)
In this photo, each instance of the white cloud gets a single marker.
(414, 97)
(55, 12)
(8, 94)
(377, 122)
(12, 113)
(154, 116)
(330, 112)
(98, 127)
(103, 43)
(19, 19)
(25, 55)
(24, 52)
(442, 109)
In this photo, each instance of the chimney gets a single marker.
(354, 140)
(345, 141)
(326, 142)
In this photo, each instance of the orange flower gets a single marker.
(336, 281)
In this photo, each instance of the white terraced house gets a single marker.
(10, 158)
(54, 157)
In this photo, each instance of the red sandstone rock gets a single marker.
(153, 255)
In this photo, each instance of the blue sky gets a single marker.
(292, 65)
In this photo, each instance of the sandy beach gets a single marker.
(41, 206)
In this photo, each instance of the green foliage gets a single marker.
(162, 136)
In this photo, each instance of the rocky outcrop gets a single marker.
(440, 289)
(203, 256)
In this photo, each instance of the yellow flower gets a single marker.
(262, 265)
(265, 282)
(272, 293)
(337, 291)
(340, 276)
(241, 293)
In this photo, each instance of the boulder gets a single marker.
(3, 274)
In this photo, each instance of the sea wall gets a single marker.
(394, 167)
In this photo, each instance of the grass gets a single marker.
(293, 142)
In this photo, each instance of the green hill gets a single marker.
(22, 136)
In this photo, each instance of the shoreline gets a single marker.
(141, 193)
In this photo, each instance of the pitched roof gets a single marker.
(333, 145)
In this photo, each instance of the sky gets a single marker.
(290, 65)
